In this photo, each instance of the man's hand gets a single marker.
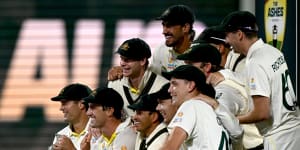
(63, 143)
(115, 73)
(86, 142)
(95, 132)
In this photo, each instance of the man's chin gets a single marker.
(169, 44)
(66, 120)
(126, 74)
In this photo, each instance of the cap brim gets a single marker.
(161, 96)
(124, 54)
(197, 42)
(121, 52)
(167, 75)
(58, 98)
(220, 28)
(134, 106)
(183, 57)
(89, 99)
(168, 20)
(160, 18)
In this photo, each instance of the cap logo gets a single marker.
(180, 114)
(62, 91)
(125, 46)
(94, 92)
(166, 12)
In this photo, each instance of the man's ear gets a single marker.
(186, 27)
(221, 48)
(191, 86)
(143, 61)
(241, 34)
(81, 105)
(154, 117)
(207, 67)
(109, 111)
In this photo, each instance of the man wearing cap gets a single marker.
(152, 132)
(230, 93)
(177, 23)
(275, 111)
(195, 123)
(216, 38)
(137, 78)
(235, 62)
(165, 106)
(105, 113)
(74, 109)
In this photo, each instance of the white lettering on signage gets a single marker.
(39, 66)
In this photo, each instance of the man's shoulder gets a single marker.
(158, 83)
(233, 84)
(115, 83)
(64, 131)
(161, 78)
(195, 104)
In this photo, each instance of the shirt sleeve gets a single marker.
(230, 122)
(184, 118)
(258, 81)
(228, 99)
(239, 77)
(155, 62)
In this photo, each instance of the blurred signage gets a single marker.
(275, 13)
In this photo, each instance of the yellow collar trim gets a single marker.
(77, 135)
(135, 91)
(112, 138)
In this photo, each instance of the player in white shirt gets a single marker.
(177, 24)
(74, 109)
(177, 28)
(152, 132)
(164, 59)
(105, 112)
(236, 63)
(195, 123)
(137, 78)
(229, 93)
(275, 112)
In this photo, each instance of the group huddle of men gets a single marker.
(216, 92)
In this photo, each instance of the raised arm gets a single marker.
(175, 139)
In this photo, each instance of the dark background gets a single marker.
(33, 132)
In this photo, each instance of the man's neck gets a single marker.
(80, 125)
(135, 81)
(191, 95)
(146, 134)
(180, 49)
(110, 128)
(248, 43)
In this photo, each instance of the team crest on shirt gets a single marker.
(178, 117)
(123, 147)
(180, 114)
(252, 84)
